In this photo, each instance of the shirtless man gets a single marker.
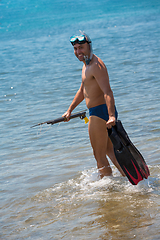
(96, 91)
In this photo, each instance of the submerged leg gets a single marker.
(111, 155)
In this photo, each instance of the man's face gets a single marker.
(81, 50)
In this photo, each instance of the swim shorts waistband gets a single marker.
(101, 111)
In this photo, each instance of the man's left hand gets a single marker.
(111, 122)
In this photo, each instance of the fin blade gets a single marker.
(131, 178)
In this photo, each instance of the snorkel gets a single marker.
(88, 58)
(83, 38)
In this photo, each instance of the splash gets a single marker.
(88, 185)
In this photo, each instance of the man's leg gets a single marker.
(102, 145)
(111, 155)
(99, 137)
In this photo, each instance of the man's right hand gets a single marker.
(67, 115)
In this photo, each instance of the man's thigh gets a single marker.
(98, 134)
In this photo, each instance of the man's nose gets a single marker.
(78, 51)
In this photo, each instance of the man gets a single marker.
(96, 91)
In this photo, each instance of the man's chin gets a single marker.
(81, 58)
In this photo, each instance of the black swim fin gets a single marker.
(128, 156)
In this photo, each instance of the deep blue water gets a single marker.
(48, 173)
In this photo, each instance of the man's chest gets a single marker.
(87, 76)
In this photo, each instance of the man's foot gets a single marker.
(105, 171)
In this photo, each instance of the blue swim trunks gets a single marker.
(101, 111)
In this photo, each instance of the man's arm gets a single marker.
(79, 97)
(101, 75)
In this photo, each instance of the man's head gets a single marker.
(82, 47)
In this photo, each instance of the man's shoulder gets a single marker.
(98, 63)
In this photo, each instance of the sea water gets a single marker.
(49, 184)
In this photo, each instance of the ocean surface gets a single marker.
(49, 183)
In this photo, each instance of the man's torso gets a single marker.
(93, 95)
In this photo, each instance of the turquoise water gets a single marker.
(50, 188)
